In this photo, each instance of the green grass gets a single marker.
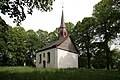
(28, 73)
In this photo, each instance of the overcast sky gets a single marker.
(74, 11)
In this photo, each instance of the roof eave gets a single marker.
(46, 48)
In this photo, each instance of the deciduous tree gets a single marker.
(17, 8)
(107, 14)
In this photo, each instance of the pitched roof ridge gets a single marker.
(64, 38)
(53, 44)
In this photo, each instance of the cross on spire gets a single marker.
(62, 5)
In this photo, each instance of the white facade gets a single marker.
(67, 59)
(51, 64)
(58, 59)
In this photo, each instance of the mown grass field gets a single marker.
(28, 73)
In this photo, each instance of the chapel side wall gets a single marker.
(37, 60)
(56, 58)
(52, 63)
(67, 59)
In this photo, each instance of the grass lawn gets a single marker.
(28, 73)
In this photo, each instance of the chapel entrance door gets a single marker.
(44, 64)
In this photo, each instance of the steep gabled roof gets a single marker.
(53, 44)
(63, 43)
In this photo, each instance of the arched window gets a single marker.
(64, 34)
(48, 57)
(40, 58)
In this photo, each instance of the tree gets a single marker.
(107, 14)
(76, 34)
(18, 45)
(3, 28)
(32, 46)
(51, 37)
(16, 8)
(99, 60)
(84, 32)
(42, 38)
(87, 31)
(70, 27)
(115, 59)
(4, 31)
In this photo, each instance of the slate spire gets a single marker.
(62, 19)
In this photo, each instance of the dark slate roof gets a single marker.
(76, 47)
(62, 43)
(53, 44)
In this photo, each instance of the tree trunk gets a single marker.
(106, 47)
(107, 50)
(108, 59)
(88, 51)
(89, 60)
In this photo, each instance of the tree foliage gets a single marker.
(18, 47)
(94, 34)
(17, 8)
(107, 14)
(84, 37)
(116, 59)
(70, 27)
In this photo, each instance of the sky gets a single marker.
(74, 11)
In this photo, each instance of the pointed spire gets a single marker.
(62, 19)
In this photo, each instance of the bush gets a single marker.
(116, 59)
(118, 65)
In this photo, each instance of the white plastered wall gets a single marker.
(67, 59)
(53, 58)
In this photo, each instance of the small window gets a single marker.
(40, 58)
(48, 57)
(43, 54)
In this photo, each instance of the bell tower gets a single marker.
(62, 31)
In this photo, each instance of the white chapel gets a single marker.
(62, 53)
